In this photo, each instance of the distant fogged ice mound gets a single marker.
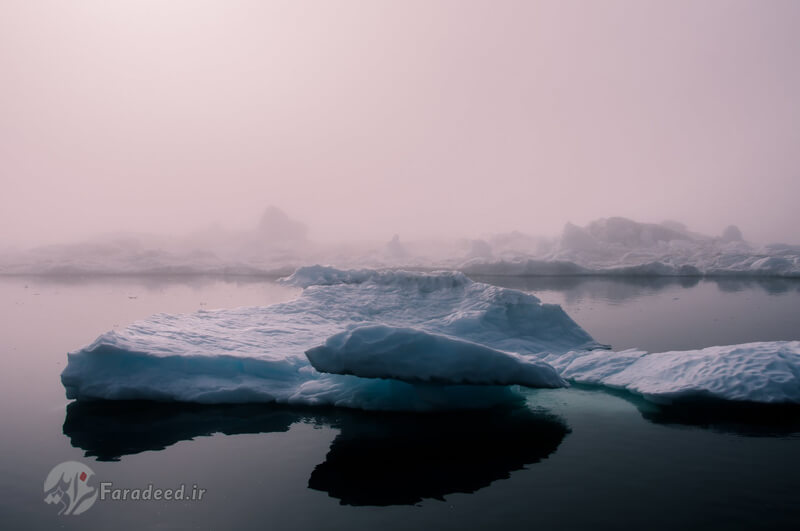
(622, 247)
(395, 340)
(278, 245)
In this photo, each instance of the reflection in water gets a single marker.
(746, 419)
(109, 430)
(612, 289)
(153, 281)
(772, 286)
(621, 289)
(377, 459)
(402, 459)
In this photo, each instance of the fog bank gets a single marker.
(435, 119)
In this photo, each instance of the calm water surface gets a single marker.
(580, 458)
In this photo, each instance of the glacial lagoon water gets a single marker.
(574, 458)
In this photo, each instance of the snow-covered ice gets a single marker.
(403, 341)
(765, 372)
(412, 355)
(258, 353)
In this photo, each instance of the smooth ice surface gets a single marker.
(408, 354)
(405, 341)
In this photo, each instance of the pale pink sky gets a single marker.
(366, 118)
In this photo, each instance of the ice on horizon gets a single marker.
(279, 244)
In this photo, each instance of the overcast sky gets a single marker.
(368, 118)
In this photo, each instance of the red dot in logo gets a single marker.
(83, 476)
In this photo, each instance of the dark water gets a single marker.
(580, 458)
(660, 314)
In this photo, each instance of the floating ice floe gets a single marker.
(393, 340)
(765, 372)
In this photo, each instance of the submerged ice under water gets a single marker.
(389, 340)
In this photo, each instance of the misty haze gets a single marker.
(387, 264)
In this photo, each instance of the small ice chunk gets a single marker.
(412, 355)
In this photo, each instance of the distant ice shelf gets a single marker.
(609, 247)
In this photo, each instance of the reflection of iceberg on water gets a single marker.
(404, 458)
(108, 430)
(376, 459)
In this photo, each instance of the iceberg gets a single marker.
(396, 340)
(764, 372)
(258, 354)
(622, 247)
(411, 355)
